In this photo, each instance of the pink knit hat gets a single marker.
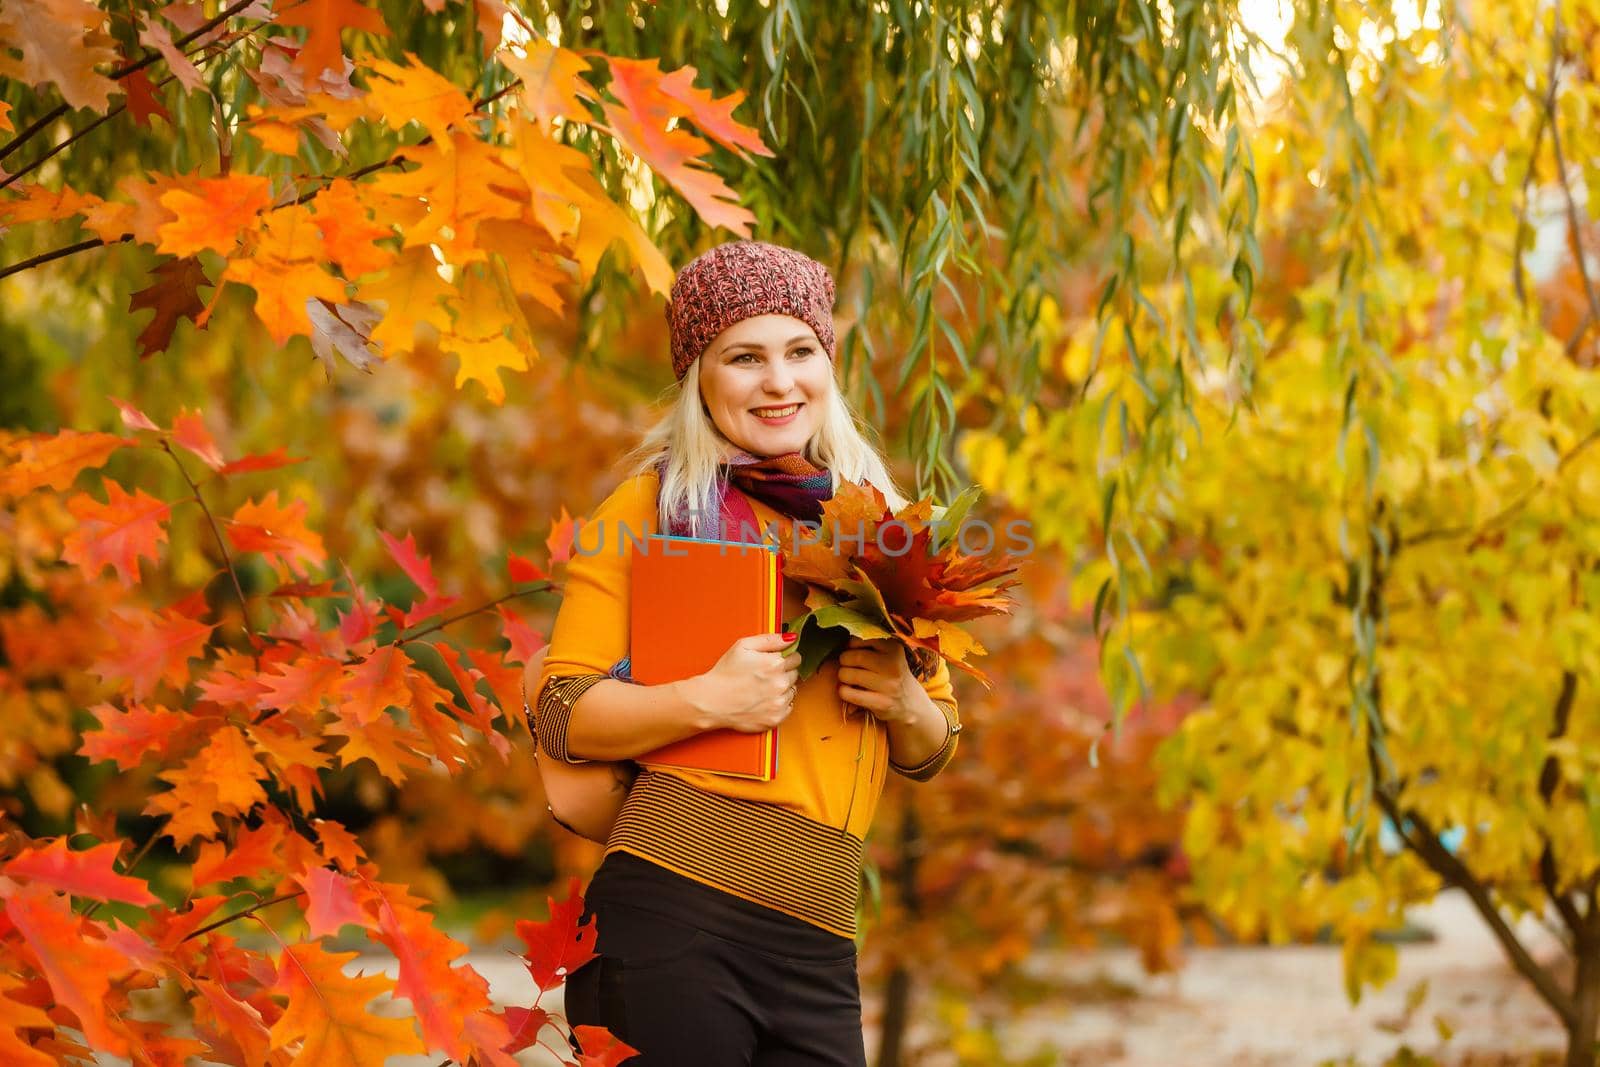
(740, 280)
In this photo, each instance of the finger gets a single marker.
(768, 642)
(865, 698)
(859, 676)
(792, 661)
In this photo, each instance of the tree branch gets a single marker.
(252, 909)
(1549, 781)
(222, 546)
(122, 72)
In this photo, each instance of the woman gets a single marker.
(725, 907)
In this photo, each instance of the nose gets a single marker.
(778, 378)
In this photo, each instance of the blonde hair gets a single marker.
(694, 448)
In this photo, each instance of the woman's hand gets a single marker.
(752, 686)
(874, 674)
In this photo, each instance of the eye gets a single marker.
(744, 355)
(802, 351)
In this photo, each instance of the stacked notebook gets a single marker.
(690, 599)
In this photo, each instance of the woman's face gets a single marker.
(765, 381)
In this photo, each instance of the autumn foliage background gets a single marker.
(320, 321)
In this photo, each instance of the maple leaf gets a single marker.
(327, 1010)
(412, 293)
(174, 296)
(154, 646)
(322, 20)
(55, 460)
(559, 542)
(642, 124)
(218, 1010)
(210, 212)
(553, 85)
(451, 1003)
(254, 849)
(85, 873)
(339, 844)
(154, 35)
(79, 967)
(132, 417)
(278, 533)
(16, 1017)
(390, 748)
(286, 268)
(525, 1025)
(264, 461)
(302, 683)
(525, 640)
(127, 527)
(141, 98)
(65, 43)
(415, 93)
(344, 330)
(330, 902)
(349, 236)
(229, 763)
(601, 1048)
(455, 186)
(189, 430)
(521, 569)
(420, 571)
(559, 945)
(367, 691)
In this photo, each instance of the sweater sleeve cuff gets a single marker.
(936, 762)
(549, 723)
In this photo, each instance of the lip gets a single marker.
(786, 420)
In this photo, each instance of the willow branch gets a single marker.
(323, 181)
(122, 72)
(222, 546)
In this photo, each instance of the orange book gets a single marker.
(690, 599)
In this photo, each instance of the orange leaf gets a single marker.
(65, 43)
(327, 1013)
(219, 1010)
(5, 118)
(229, 763)
(365, 692)
(86, 873)
(189, 430)
(279, 533)
(255, 851)
(390, 748)
(153, 646)
(132, 417)
(323, 19)
(330, 903)
(416, 93)
(116, 533)
(55, 460)
(78, 967)
(264, 461)
(553, 85)
(412, 292)
(338, 844)
(520, 569)
(559, 542)
(210, 212)
(601, 1048)
(16, 1017)
(451, 1003)
(348, 234)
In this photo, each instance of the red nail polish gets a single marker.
(790, 637)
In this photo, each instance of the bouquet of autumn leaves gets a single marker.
(875, 573)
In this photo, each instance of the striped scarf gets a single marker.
(790, 484)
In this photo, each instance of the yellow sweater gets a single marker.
(795, 843)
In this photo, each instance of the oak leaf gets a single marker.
(174, 296)
(559, 945)
(323, 19)
(78, 966)
(327, 1014)
(84, 873)
(65, 42)
(118, 533)
(210, 212)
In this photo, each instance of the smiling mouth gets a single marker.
(776, 413)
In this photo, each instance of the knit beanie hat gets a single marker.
(740, 280)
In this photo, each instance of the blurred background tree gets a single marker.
(1270, 320)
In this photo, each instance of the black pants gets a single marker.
(691, 975)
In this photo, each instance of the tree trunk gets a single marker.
(897, 991)
(896, 1016)
(1586, 998)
